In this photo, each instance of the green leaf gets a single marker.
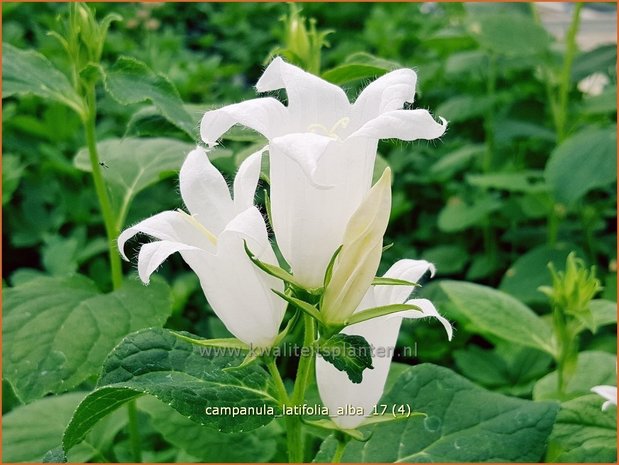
(457, 215)
(61, 329)
(602, 59)
(606, 102)
(130, 81)
(259, 445)
(134, 164)
(55, 455)
(524, 181)
(593, 368)
(29, 72)
(521, 283)
(447, 258)
(514, 35)
(29, 431)
(190, 379)
(463, 107)
(359, 66)
(584, 433)
(604, 312)
(463, 423)
(585, 161)
(455, 161)
(12, 170)
(351, 354)
(509, 369)
(498, 314)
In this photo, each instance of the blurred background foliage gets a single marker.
(525, 174)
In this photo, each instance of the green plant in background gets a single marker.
(525, 176)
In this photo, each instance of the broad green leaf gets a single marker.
(29, 431)
(464, 423)
(509, 369)
(514, 35)
(593, 368)
(61, 329)
(259, 445)
(524, 181)
(29, 72)
(604, 312)
(585, 161)
(498, 314)
(348, 353)
(509, 129)
(457, 215)
(584, 433)
(520, 282)
(134, 164)
(12, 169)
(189, 378)
(131, 81)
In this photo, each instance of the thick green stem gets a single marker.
(134, 432)
(101, 189)
(306, 363)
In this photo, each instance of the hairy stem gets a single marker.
(101, 189)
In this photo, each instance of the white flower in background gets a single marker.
(336, 390)
(210, 239)
(607, 392)
(322, 151)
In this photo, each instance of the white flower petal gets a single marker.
(310, 99)
(171, 226)
(427, 310)
(309, 221)
(205, 192)
(407, 270)
(306, 150)
(387, 93)
(246, 181)
(239, 292)
(404, 125)
(155, 253)
(336, 390)
(607, 392)
(266, 115)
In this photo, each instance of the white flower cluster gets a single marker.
(322, 151)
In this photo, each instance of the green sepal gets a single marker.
(377, 419)
(250, 358)
(328, 424)
(329, 271)
(272, 270)
(376, 312)
(383, 281)
(348, 353)
(229, 343)
(387, 247)
(301, 305)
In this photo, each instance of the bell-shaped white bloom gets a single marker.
(357, 262)
(607, 392)
(211, 240)
(336, 390)
(322, 151)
